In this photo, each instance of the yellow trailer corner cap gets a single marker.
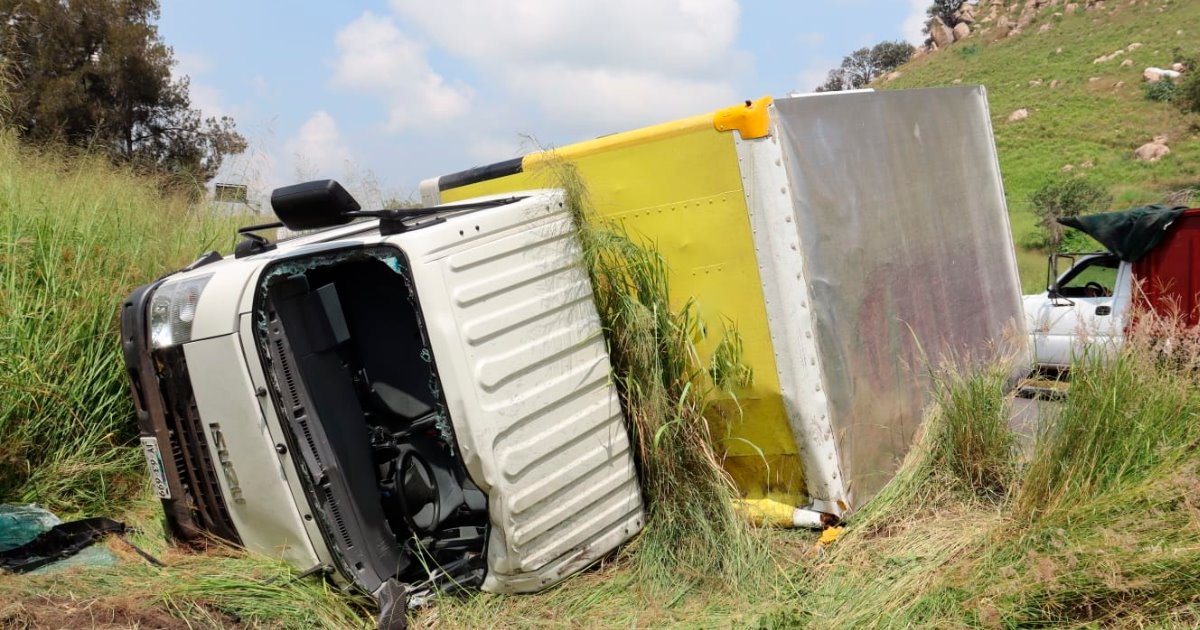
(749, 119)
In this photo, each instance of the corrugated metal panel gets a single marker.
(563, 482)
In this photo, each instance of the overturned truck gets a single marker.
(422, 398)
(855, 240)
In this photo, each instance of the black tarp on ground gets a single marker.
(1129, 234)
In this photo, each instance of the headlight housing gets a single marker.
(173, 309)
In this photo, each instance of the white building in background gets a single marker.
(233, 200)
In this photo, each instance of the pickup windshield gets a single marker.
(1094, 277)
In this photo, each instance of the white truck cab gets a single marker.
(1085, 306)
(1152, 265)
(414, 401)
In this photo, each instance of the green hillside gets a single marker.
(1096, 114)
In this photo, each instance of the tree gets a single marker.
(865, 65)
(1066, 197)
(95, 73)
(944, 9)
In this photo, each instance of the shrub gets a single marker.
(1066, 197)
(1074, 241)
(1187, 88)
(1187, 93)
(1163, 91)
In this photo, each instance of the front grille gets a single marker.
(189, 447)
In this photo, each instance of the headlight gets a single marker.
(173, 309)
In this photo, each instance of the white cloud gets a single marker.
(915, 22)
(374, 56)
(814, 73)
(487, 150)
(207, 99)
(812, 39)
(594, 65)
(191, 64)
(317, 149)
(616, 98)
(204, 96)
(668, 35)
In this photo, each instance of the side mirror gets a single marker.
(313, 205)
(1052, 275)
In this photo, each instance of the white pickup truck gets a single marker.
(1153, 262)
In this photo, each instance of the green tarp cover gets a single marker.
(1129, 234)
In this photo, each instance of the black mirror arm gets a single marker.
(1055, 296)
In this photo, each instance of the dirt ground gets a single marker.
(103, 614)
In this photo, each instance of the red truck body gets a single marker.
(1169, 276)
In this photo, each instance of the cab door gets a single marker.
(1085, 311)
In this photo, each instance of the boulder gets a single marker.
(1054, 84)
(965, 14)
(941, 34)
(1178, 67)
(1044, 28)
(1127, 63)
(1035, 83)
(1070, 8)
(1067, 168)
(961, 31)
(1020, 114)
(1134, 46)
(1154, 150)
(1154, 75)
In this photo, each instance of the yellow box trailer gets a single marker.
(852, 239)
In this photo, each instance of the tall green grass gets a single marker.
(76, 236)
(220, 588)
(1098, 526)
(692, 527)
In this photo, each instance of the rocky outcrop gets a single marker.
(998, 19)
(968, 19)
(941, 34)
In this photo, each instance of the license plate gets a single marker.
(158, 477)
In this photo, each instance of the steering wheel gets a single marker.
(1095, 289)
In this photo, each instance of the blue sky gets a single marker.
(381, 95)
